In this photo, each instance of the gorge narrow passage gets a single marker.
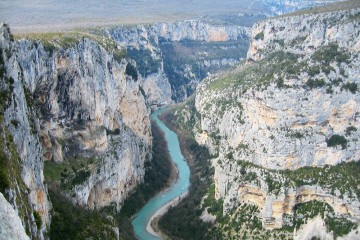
(180, 187)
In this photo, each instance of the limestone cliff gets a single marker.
(21, 153)
(180, 54)
(82, 112)
(93, 113)
(283, 128)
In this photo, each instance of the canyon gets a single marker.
(276, 104)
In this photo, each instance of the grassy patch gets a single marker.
(261, 73)
(68, 174)
(57, 40)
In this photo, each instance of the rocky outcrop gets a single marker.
(315, 31)
(21, 148)
(11, 227)
(283, 110)
(273, 208)
(77, 107)
(90, 109)
(288, 127)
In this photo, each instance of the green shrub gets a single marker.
(314, 70)
(75, 222)
(331, 53)
(113, 132)
(352, 87)
(298, 135)
(350, 129)
(131, 71)
(80, 177)
(336, 140)
(38, 220)
(4, 175)
(280, 83)
(315, 83)
(260, 35)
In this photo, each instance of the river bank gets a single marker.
(152, 226)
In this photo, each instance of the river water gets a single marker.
(181, 186)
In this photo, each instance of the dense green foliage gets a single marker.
(145, 63)
(259, 36)
(350, 130)
(352, 87)
(75, 222)
(4, 168)
(131, 71)
(157, 173)
(315, 83)
(38, 220)
(336, 140)
(331, 53)
(80, 177)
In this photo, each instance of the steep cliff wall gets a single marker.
(292, 110)
(283, 128)
(82, 112)
(93, 113)
(21, 153)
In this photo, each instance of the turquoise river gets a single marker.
(178, 188)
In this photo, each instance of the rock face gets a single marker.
(294, 104)
(90, 109)
(191, 30)
(80, 108)
(21, 148)
(174, 57)
(11, 227)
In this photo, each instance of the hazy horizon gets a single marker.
(47, 15)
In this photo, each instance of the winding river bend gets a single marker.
(181, 186)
